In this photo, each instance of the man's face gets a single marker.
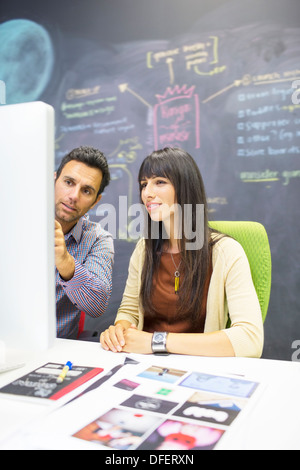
(76, 192)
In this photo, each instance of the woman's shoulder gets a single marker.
(138, 252)
(140, 246)
(226, 246)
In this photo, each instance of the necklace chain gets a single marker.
(177, 273)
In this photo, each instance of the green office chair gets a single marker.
(254, 239)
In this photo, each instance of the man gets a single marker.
(83, 250)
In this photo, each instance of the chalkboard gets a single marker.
(219, 80)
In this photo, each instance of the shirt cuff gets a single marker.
(80, 276)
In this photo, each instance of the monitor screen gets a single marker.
(27, 269)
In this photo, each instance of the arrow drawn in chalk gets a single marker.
(124, 87)
(170, 61)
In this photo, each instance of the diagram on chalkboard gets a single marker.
(185, 93)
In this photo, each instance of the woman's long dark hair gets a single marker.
(180, 168)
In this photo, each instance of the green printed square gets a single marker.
(164, 391)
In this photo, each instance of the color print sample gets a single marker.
(126, 384)
(149, 404)
(211, 408)
(218, 384)
(163, 374)
(179, 435)
(118, 429)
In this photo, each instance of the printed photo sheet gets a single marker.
(157, 408)
(185, 411)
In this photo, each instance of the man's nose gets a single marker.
(74, 193)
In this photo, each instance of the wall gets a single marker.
(213, 77)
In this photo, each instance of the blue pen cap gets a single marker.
(69, 364)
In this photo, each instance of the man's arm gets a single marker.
(89, 287)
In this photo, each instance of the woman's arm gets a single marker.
(246, 333)
(194, 344)
(200, 344)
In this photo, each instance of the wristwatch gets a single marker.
(159, 343)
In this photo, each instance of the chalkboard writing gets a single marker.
(176, 118)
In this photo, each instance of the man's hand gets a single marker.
(64, 262)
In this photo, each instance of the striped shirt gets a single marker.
(90, 288)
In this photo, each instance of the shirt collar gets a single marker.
(76, 231)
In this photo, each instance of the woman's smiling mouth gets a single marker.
(152, 206)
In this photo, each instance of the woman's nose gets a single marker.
(149, 192)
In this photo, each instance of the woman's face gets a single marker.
(158, 196)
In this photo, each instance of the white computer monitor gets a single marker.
(27, 279)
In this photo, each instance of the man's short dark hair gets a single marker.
(91, 157)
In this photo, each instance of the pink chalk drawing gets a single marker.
(176, 118)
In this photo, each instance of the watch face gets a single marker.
(159, 337)
(159, 342)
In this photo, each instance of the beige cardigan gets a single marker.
(231, 290)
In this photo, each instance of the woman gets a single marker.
(177, 299)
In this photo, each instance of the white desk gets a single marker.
(272, 424)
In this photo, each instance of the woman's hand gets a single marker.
(124, 337)
(112, 339)
(137, 341)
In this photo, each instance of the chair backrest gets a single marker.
(254, 239)
(81, 324)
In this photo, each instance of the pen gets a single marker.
(64, 372)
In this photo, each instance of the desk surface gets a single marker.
(272, 424)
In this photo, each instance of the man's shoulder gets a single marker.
(96, 232)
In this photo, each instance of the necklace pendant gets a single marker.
(177, 276)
